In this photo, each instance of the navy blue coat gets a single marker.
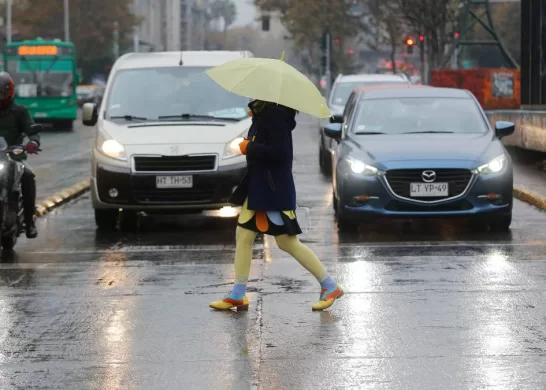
(269, 184)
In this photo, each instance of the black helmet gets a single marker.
(7, 88)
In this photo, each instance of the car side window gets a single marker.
(348, 114)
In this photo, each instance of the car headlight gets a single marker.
(2, 166)
(110, 147)
(494, 166)
(361, 168)
(232, 147)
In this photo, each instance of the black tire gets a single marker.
(8, 242)
(106, 219)
(128, 220)
(501, 224)
(346, 226)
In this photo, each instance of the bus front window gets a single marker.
(42, 78)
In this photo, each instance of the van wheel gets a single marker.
(106, 219)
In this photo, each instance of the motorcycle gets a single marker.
(12, 220)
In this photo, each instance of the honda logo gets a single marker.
(428, 176)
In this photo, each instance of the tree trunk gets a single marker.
(393, 57)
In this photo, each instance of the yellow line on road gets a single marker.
(46, 205)
(530, 197)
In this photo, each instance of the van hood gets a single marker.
(176, 132)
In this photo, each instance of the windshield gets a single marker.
(42, 77)
(342, 91)
(418, 115)
(152, 93)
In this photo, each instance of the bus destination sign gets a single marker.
(41, 50)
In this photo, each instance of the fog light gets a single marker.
(113, 193)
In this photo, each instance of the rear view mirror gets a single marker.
(336, 119)
(89, 114)
(503, 128)
(35, 129)
(333, 130)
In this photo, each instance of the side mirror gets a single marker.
(333, 130)
(89, 114)
(503, 128)
(336, 119)
(35, 129)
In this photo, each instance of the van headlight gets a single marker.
(232, 147)
(494, 166)
(110, 147)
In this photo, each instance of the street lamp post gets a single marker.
(8, 22)
(66, 21)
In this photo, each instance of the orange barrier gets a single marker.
(494, 88)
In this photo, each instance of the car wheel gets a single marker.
(128, 220)
(502, 224)
(346, 226)
(106, 219)
(325, 163)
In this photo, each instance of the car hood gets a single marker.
(387, 151)
(177, 132)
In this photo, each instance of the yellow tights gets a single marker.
(289, 244)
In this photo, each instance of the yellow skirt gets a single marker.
(273, 223)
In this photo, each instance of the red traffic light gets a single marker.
(351, 52)
(336, 41)
(456, 35)
(422, 38)
(410, 42)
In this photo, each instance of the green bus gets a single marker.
(45, 78)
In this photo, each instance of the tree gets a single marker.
(387, 26)
(225, 9)
(91, 24)
(307, 20)
(435, 19)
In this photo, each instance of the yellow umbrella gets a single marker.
(273, 81)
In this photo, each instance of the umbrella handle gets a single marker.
(282, 55)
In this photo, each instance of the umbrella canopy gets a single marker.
(273, 81)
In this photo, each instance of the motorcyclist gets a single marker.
(15, 124)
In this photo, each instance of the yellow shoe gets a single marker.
(229, 303)
(327, 298)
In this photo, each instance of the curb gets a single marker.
(46, 205)
(530, 198)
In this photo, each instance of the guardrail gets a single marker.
(530, 131)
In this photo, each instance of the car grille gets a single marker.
(460, 205)
(175, 163)
(399, 180)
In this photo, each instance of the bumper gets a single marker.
(364, 198)
(211, 190)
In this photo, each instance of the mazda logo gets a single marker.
(428, 176)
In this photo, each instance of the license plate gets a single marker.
(174, 181)
(429, 189)
(40, 115)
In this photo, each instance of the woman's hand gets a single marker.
(243, 146)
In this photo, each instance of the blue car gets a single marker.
(419, 152)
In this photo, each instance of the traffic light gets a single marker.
(421, 38)
(351, 52)
(409, 45)
(336, 41)
(456, 35)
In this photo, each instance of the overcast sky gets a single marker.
(245, 12)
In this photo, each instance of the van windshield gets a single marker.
(155, 93)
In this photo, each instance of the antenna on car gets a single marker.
(181, 62)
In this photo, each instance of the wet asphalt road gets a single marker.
(436, 307)
(64, 159)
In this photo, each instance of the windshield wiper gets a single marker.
(129, 118)
(197, 116)
(428, 132)
(368, 132)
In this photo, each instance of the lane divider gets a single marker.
(48, 204)
(532, 198)
(51, 203)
